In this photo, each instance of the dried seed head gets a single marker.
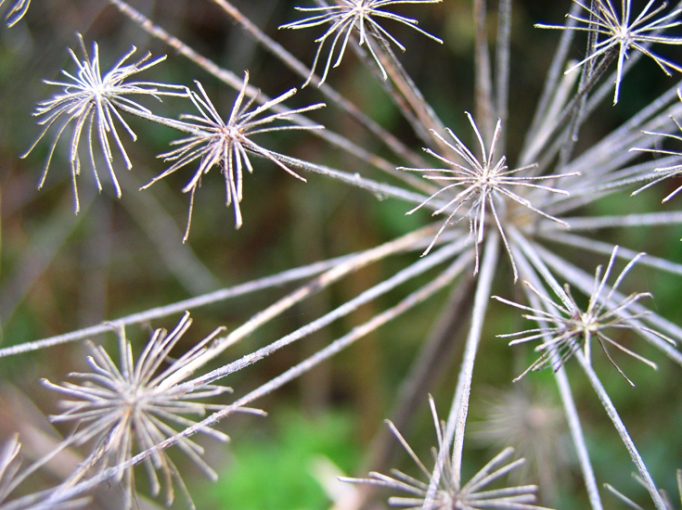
(617, 32)
(226, 143)
(361, 16)
(476, 494)
(480, 188)
(564, 328)
(135, 405)
(91, 104)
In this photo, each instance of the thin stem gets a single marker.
(407, 96)
(412, 271)
(655, 114)
(435, 354)
(456, 423)
(560, 130)
(580, 108)
(552, 82)
(460, 406)
(314, 286)
(483, 80)
(358, 332)
(604, 248)
(377, 188)
(590, 223)
(622, 431)
(502, 57)
(268, 282)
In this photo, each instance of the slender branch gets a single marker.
(552, 83)
(378, 188)
(604, 248)
(456, 423)
(622, 431)
(485, 113)
(434, 357)
(629, 220)
(460, 406)
(322, 281)
(276, 280)
(502, 57)
(412, 271)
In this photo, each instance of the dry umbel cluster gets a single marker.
(504, 220)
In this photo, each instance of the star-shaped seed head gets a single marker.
(226, 143)
(362, 17)
(564, 328)
(130, 407)
(90, 104)
(476, 494)
(480, 187)
(617, 33)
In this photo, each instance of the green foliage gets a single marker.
(274, 470)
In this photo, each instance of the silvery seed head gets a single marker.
(476, 494)
(565, 328)
(132, 406)
(480, 187)
(226, 143)
(355, 17)
(90, 104)
(618, 32)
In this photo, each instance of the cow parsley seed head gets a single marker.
(619, 32)
(480, 188)
(361, 16)
(90, 104)
(564, 327)
(214, 141)
(135, 405)
(533, 423)
(16, 12)
(476, 494)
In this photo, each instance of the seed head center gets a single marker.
(589, 323)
